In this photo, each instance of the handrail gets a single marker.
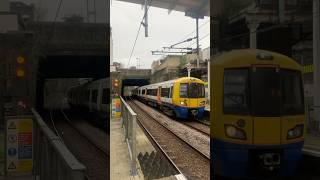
(129, 122)
(52, 159)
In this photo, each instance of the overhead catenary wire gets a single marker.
(135, 41)
(195, 30)
(208, 34)
(54, 23)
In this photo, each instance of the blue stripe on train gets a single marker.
(183, 112)
(232, 160)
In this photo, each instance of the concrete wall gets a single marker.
(8, 22)
(4, 6)
(55, 92)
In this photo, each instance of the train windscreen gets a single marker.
(264, 92)
(192, 90)
(292, 92)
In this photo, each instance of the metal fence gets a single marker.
(51, 158)
(313, 125)
(129, 122)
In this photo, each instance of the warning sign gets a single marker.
(12, 165)
(12, 125)
(116, 107)
(12, 138)
(19, 144)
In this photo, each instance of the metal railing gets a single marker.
(51, 158)
(313, 125)
(129, 122)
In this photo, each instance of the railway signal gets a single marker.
(20, 67)
(115, 82)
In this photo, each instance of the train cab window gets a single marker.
(196, 90)
(184, 90)
(105, 96)
(94, 96)
(235, 95)
(292, 93)
(165, 92)
(266, 92)
(143, 92)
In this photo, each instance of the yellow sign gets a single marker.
(308, 68)
(19, 145)
(116, 107)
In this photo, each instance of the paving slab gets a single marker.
(312, 144)
(119, 155)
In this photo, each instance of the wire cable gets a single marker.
(195, 30)
(135, 41)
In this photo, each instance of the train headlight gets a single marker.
(295, 132)
(232, 131)
(183, 103)
(202, 103)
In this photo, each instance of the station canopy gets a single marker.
(192, 8)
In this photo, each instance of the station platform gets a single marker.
(17, 178)
(312, 144)
(119, 155)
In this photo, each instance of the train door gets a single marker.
(99, 96)
(171, 94)
(194, 94)
(266, 105)
(90, 100)
(159, 95)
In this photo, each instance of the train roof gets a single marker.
(247, 57)
(179, 80)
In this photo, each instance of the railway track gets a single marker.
(92, 155)
(192, 136)
(197, 125)
(205, 129)
(192, 163)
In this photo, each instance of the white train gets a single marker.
(93, 98)
(183, 97)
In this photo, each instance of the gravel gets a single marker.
(191, 163)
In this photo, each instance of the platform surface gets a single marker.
(119, 155)
(17, 178)
(312, 144)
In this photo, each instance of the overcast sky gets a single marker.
(69, 7)
(164, 30)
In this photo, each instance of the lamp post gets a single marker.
(189, 68)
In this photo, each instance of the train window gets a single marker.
(196, 90)
(266, 92)
(152, 92)
(87, 95)
(94, 96)
(165, 92)
(105, 97)
(183, 90)
(235, 95)
(143, 92)
(292, 93)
